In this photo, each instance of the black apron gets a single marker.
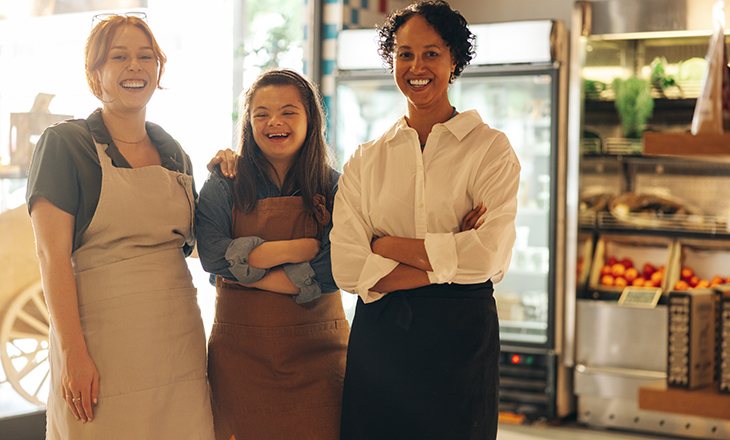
(424, 364)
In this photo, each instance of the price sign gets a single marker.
(640, 297)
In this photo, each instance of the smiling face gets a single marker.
(279, 124)
(128, 77)
(422, 65)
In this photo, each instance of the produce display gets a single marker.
(689, 280)
(622, 272)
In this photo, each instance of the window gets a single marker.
(41, 51)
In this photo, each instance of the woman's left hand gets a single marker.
(470, 220)
(227, 161)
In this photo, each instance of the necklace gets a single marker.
(128, 142)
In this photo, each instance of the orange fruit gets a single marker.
(657, 277)
(618, 270)
(631, 274)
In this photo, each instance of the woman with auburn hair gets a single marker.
(112, 200)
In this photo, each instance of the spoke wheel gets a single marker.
(24, 345)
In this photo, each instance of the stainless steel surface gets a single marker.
(571, 188)
(621, 337)
(613, 382)
(619, 413)
(564, 344)
(611, 17)
(567, 431)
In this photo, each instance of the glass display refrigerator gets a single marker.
(517, 83)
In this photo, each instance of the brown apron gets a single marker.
(276, 367)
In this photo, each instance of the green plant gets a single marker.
(634, 104)
(659, 77)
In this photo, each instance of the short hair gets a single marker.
(100, 40)
(448, 23)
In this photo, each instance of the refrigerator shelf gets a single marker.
(666, 224)
(697, 224)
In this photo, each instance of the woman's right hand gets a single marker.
(470, 220)
(227, 161)
(79, 383)
(79, 378)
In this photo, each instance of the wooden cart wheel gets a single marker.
(24, 345)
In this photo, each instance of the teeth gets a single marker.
(419, 82)
(278, 135)
(133, 84)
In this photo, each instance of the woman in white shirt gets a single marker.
(424, 347)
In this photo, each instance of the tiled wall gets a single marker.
(347, 14)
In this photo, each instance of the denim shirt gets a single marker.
(222, 255)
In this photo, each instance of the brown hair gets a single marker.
(100, 40)
(311, 172)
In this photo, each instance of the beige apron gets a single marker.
(139, 313)
(276, 367)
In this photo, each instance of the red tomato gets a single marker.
(687, 273)
(647, 270)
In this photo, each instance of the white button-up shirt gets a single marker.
(391, 188)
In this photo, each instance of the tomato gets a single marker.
(687, 273)
(647, 270)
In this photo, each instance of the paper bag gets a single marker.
(712, 111)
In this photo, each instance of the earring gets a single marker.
(451, 78)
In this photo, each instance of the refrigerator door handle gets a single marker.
(637, 374)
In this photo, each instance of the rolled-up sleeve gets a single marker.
(219, 253)
(314, 278)
(302, 276)
(355, 267)
(465, 257)
(237, 258)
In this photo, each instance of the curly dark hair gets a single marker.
(447, 22)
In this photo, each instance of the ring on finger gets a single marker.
(76, 399)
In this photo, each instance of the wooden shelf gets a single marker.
(703, 402)
(686, 144)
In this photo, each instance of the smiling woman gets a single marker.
(279, 125)
(111, 199)
(423, 225)
(265, 235)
